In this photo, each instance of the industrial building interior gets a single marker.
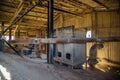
(59, 39)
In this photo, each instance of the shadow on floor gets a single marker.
(108, 72)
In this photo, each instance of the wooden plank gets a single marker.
(62, 40)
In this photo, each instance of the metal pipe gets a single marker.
(92, 60)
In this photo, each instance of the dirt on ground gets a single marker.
(22, 69)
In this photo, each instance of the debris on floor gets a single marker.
(25, 69)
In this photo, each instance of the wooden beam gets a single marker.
(19, 18)
(8, 3)
(30, 20)
(13, 9)
(38, 11)
(15, 30)
(37, 14)
(29, 27)
(19, 9)
(25, 17)
(29, 24)
(67, 4)
(98, 2)
(7, 9)
(79, 1)
(35, 18)
(74, 3)
(9, 13)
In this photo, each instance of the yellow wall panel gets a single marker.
(77, 21)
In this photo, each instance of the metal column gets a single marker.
(1, 42)
(10, 34)
(18, 33)
(2, 28)
(50, 47)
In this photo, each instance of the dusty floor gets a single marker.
(22, 69)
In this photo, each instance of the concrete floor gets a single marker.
(22, 69)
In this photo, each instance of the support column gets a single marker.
(18, 33)
(10, 34)
(1, 42)
(50, 47)
(2, 28)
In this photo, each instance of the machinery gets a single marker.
(71, 53)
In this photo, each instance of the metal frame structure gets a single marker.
(13, 23)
